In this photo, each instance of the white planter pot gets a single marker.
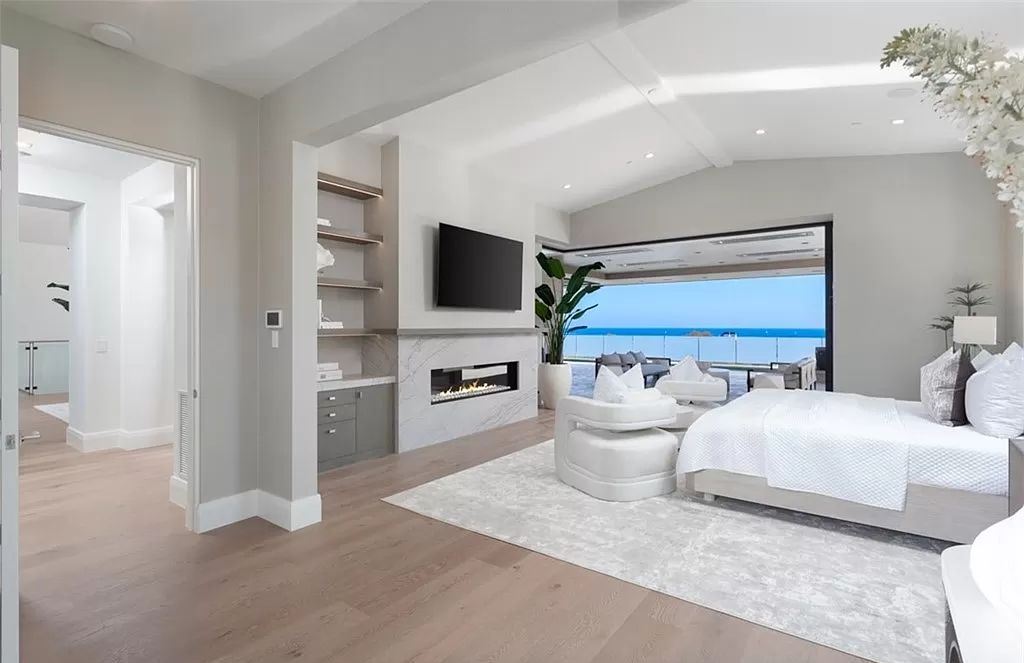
(554, 382)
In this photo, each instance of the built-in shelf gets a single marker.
(354, 284)
(352, 332)
(350, 236)
(349, 188)
(469, 331)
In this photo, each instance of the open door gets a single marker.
(9, 436)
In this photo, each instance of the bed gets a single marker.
(876, 461)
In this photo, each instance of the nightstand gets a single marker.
(1016, 487)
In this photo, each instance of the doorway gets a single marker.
(107, 286)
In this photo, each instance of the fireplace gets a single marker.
(458, 383)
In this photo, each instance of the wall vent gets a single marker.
(788, 252)
(748, 239)
(614, 252)
(184, 441)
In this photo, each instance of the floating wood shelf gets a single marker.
(350, 236)
(349, 188)
(347, 283)
(351, 332)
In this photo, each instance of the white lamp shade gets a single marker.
(974, 329)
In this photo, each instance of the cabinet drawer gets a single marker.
(335, 413)
(335, 440)
(336, 397)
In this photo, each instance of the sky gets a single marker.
(790, 302)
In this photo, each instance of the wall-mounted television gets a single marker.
(477, 270)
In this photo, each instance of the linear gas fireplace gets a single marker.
(453, 384)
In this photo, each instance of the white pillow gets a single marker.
(634, 378)
(995, 397)
(686, 370)
(1012, 351)
(982, 359)
(938, 382)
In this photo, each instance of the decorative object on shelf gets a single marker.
(557, 307)
(324, 258)
(323, 321)
(323, 222)
(980, 85)
(328, 371)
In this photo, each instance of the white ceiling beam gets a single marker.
(623, 55)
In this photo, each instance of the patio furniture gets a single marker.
(652, 367)
(689, 382)
(801, 374)
(614, 451)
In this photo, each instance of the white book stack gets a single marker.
(328, 371)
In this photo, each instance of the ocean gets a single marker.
(755, 332)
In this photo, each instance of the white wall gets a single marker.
(906, 228)
(95, 319)
(73, 81)
(39, 317)
(437, 188)
(147, 307)
(1014, 242)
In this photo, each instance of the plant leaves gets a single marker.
(545, 294)
(542, 310)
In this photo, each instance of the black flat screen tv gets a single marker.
(477, 270)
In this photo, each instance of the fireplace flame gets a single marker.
(466, 390)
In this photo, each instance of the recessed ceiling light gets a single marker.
(897, 122)
(566, 186)
(760, 132)
(111, 35)
(649, 155)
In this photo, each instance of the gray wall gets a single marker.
(76, 82)
(906, 229)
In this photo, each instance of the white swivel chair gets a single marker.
(613, 451)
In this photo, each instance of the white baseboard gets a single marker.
(87, 442)
(227, 510)
(119, 439)
(289, 515)
(286, 514)
(179, 491)
(145, 438)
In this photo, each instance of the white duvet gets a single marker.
(856, 448)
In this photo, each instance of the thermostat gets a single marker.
(274, 319)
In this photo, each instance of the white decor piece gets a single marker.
(995, 397)
(324, 258)
(978, 85)
(872, 593)
(554, 382)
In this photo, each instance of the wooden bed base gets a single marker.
(939, 513)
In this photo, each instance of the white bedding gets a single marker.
(733, 437)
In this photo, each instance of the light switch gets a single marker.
(101, 345)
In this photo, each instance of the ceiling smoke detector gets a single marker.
(112, 36)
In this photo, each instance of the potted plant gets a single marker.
(558, 306)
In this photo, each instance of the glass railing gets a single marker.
(715, 349)
(43, 367)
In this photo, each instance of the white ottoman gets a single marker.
(619, 466)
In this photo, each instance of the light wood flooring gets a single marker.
(110, 575)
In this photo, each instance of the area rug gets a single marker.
(58, 410)
(864, 591)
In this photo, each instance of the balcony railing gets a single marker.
(716, 349)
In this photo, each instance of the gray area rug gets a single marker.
(868, 592)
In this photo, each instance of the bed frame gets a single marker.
(940, 513)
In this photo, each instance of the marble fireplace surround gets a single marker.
(421, 423)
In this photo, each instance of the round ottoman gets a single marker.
(619, 466)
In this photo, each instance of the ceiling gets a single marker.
(250, 46)
(770, 253)
(40, 149)
(691, 86)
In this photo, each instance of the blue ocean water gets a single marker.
(746, 332)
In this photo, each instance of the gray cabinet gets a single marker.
(354, 424)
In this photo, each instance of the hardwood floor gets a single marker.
(109, 574)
